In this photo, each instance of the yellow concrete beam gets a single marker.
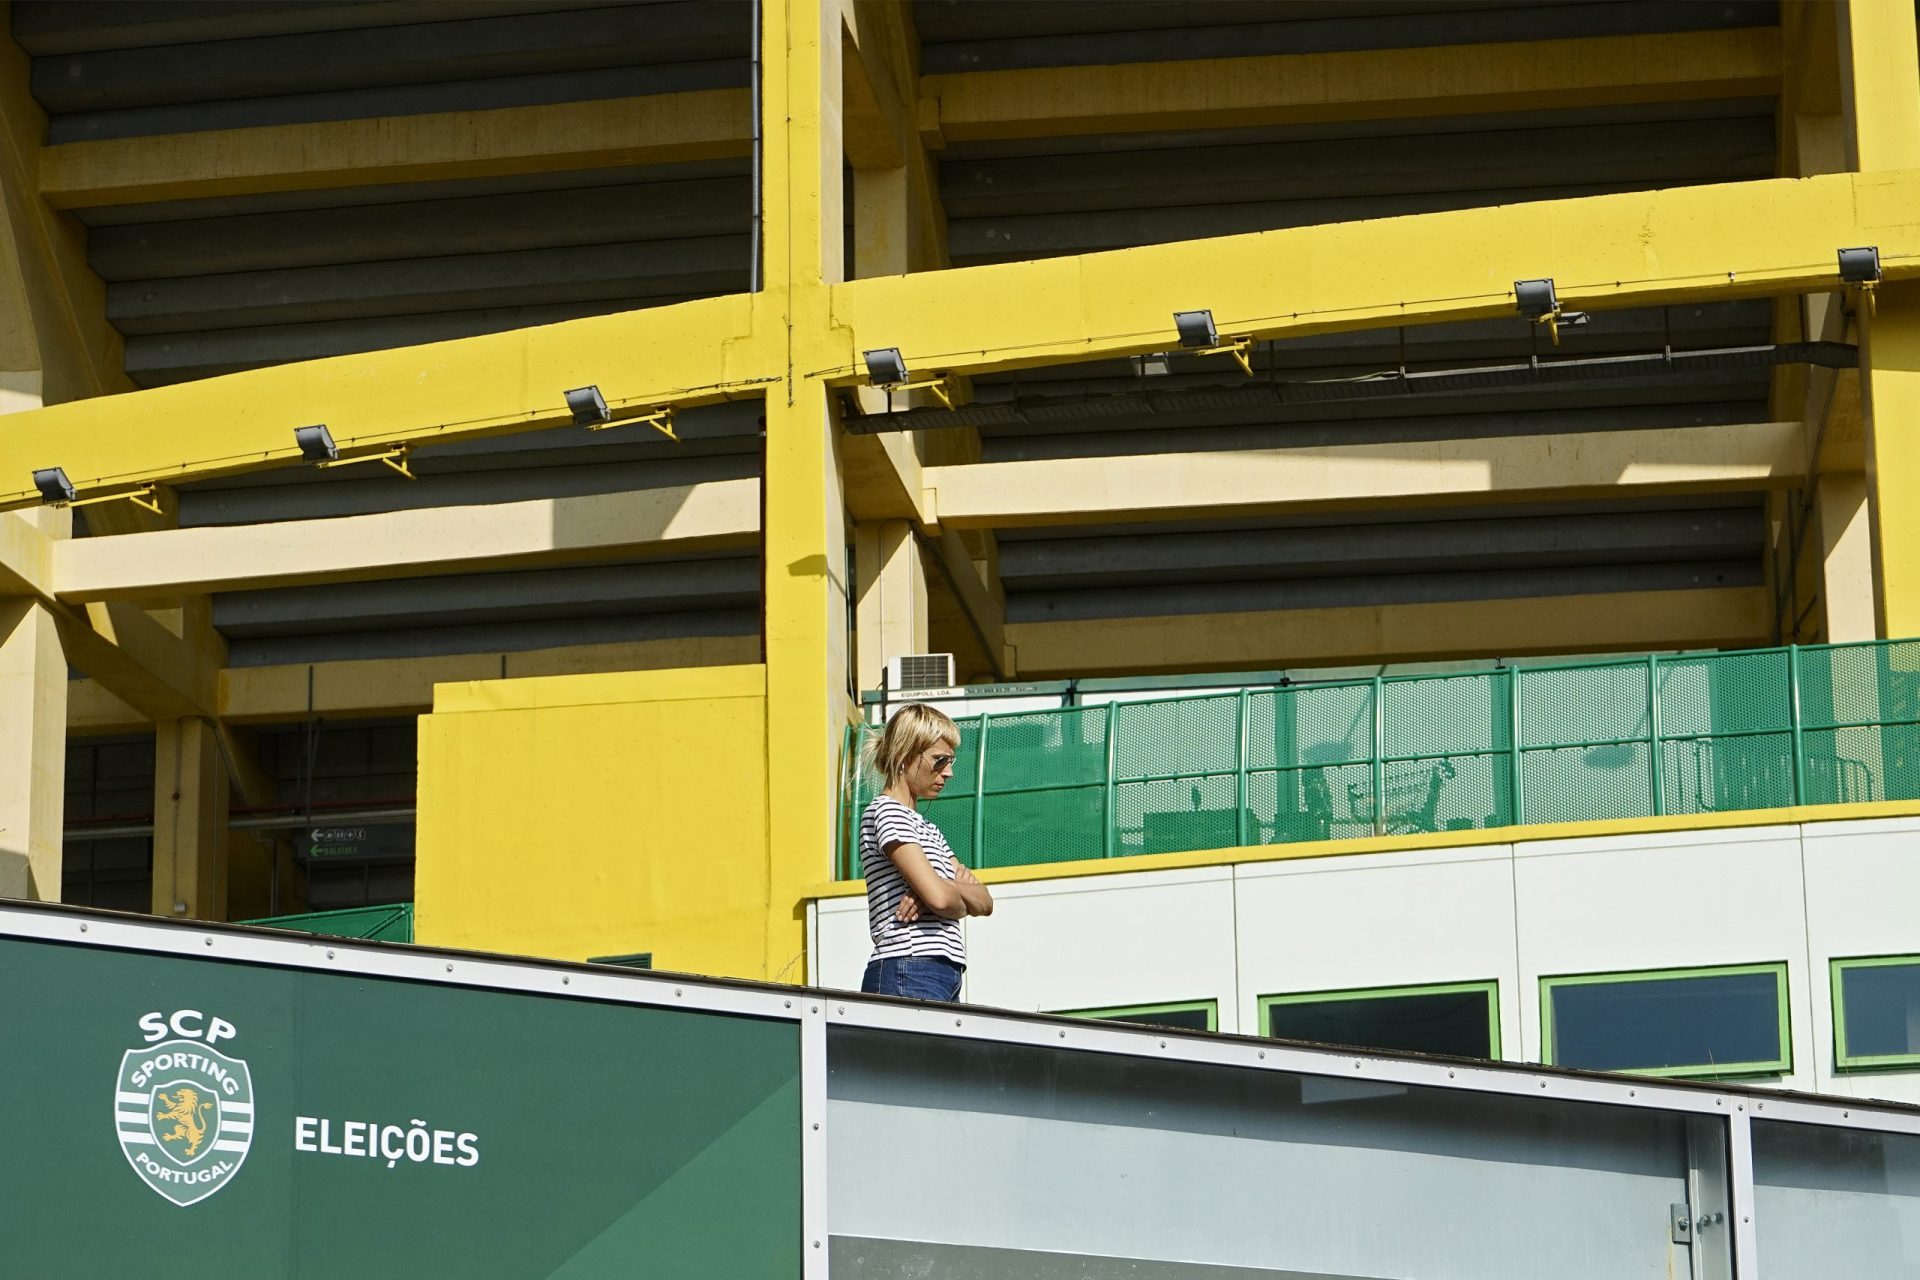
(1621, 622)
(1237, 483)
(695, 353)
(138, 659)
(884, 478)
(26, 557)
(1644, 248)
(662, 128)
(410, 543)
(1371, 84)
(983, 611)
(404, 686)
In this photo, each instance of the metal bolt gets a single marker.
(565, 982)
(209, 941)
(956, 1022)
(83, 928)
(1746, 1218)
(1263, 1052)
(676, 991)
(1163, 1044)
(816, 1126)
(329, 955)
(1543, 1084)
(841, 1008)
(1063, 1035)
(449, 968)
(789, 1004)
(816, 1008)
(1449, 1075)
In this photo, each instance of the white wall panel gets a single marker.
(840, 955)
(1664, 901)
(1099, 941)
(1863, 899)
(1324, 924)
(1802, 894)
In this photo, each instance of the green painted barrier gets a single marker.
(217, 1110)
(375, 924)
(1321, 760)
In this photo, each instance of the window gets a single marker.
(1725, 1021)
(1459, 1019)
(1185, 1015)
(1876, 1012)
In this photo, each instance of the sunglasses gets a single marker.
(942, 761)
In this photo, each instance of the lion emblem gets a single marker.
(187, 1113)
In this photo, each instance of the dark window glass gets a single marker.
(1881, 1003)
(1191, 1019)
(1696, 1022)
(1456, 1023)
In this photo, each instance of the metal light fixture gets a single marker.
(1860, 266)
(1196, 328)
(588, 406)
(54, 485)
(1538, 302)
(886, 367)
(1535, 298)
(316, 443)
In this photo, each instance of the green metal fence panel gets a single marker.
(1562, 742)
(1044, 787)
(377, 924)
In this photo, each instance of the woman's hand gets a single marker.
(909, 909)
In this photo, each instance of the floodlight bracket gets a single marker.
(396, 459)
(143, 497)
(660, 420)
(1240, 348)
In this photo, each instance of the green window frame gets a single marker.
(1780, 1064)
(1489, 987)
(1844, 1059)
(1144, 1013)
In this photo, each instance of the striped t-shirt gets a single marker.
(886, 823)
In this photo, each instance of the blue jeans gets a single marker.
(916, 977)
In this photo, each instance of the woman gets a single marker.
(917, 891)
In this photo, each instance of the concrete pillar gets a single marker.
(1880, 88)
(891, 612)
(1846, 556)
(33, 750)
(189, 821)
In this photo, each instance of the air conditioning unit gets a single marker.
(916, 671)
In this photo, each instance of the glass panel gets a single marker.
(1690, 1023)
(1457, 1023)
(1083, 1165)
(1197, 1016)
(1881, 1007)
(1835, 1202)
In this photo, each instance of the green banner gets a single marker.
(195, 1119)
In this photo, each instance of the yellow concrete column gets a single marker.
(892, 611)
(33, 745)
(189, 821)
(805, 523)
(1846, 556)
(1880, 64)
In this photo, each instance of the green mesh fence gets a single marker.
(1566, 742)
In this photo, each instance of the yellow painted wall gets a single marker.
(594, 815)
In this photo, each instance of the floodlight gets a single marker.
(1860, 266)
(54, 485)
(1196, 328)
(316, 443)
(886, 367)
(1535, 298)
(588, 406)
